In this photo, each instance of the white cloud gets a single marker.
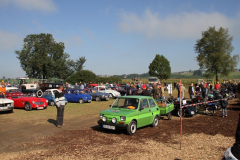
(178, 26)
(40, 5)
(9, 40)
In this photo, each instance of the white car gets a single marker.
(6, 104)
(49, 94)
(112, 93)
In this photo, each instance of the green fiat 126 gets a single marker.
(130, 113)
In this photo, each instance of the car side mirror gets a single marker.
(141, 108)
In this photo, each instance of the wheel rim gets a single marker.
(27, 106)
(97, 98)
(155, 122)
(80, 101)
(110, 95)
(133, 128)
(52, 103)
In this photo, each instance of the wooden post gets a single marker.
(180, 114)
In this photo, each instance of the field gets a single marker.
(33, 135)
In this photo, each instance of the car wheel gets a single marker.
(80, 101)
(155, 122)
(132, 128)
(52, 103)
(209, 110)
(28, 106)
(169, 116)
(97, 99)
(107, 99)
(183, 113)
(110, 95)
(11, 111)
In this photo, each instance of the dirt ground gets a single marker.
(204, 137)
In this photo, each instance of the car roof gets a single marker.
(101, 86)
(7, 88)
(51, 89)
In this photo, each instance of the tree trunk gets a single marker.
(216, 77)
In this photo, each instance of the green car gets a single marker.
(130, 113)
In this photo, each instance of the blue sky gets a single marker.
(116, 36)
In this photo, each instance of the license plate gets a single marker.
(192, 112)
(109, 127)
(40, 107)
(3, 107)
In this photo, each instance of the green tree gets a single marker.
(214, 53)
(82, 76)
(43, 57)
(160, 67)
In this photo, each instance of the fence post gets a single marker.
(180, 99)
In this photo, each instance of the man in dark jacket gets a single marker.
(146, 92)
(60, 103)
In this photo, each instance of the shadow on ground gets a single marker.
(53, 121)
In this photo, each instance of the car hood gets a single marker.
(119, 112)
(5, 100)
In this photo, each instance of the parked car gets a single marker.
(29, 103)
(97, 96)
(122, 91)
(45, 86)
(13, 92)
(91, 85)
(112, 93)
(50, 96)
(130, 113)
(74, 95)
(5, 103)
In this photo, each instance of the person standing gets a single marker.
(224, 104)
(146, 92)
(191, 91)
(60, 103)
(82, 86)
(183, 90)
(3, 88)
(205, 93)
(162, 91)
(178, 89)
(217, 86)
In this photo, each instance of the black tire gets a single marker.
(107, 99)
(110, 95)
(169, 116)
(155, 121)
(11, 111)
(183, 113)
(197, 108)
(97, 99)
(28, 106)
(52, 103)
(81, 101)
(209, 110)
(132, 128)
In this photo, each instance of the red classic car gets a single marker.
(13, 92)
(30, 103)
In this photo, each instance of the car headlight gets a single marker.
(104, 119)
(101, 115)
(47, 101)
(123, 118)
(114, 120)
(33, 102)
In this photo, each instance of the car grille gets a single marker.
(5, 104)
(39, 103)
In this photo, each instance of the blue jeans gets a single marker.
(224, 111)
(191, 96)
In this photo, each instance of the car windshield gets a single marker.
(129, 103)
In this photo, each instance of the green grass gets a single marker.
(72, 110)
